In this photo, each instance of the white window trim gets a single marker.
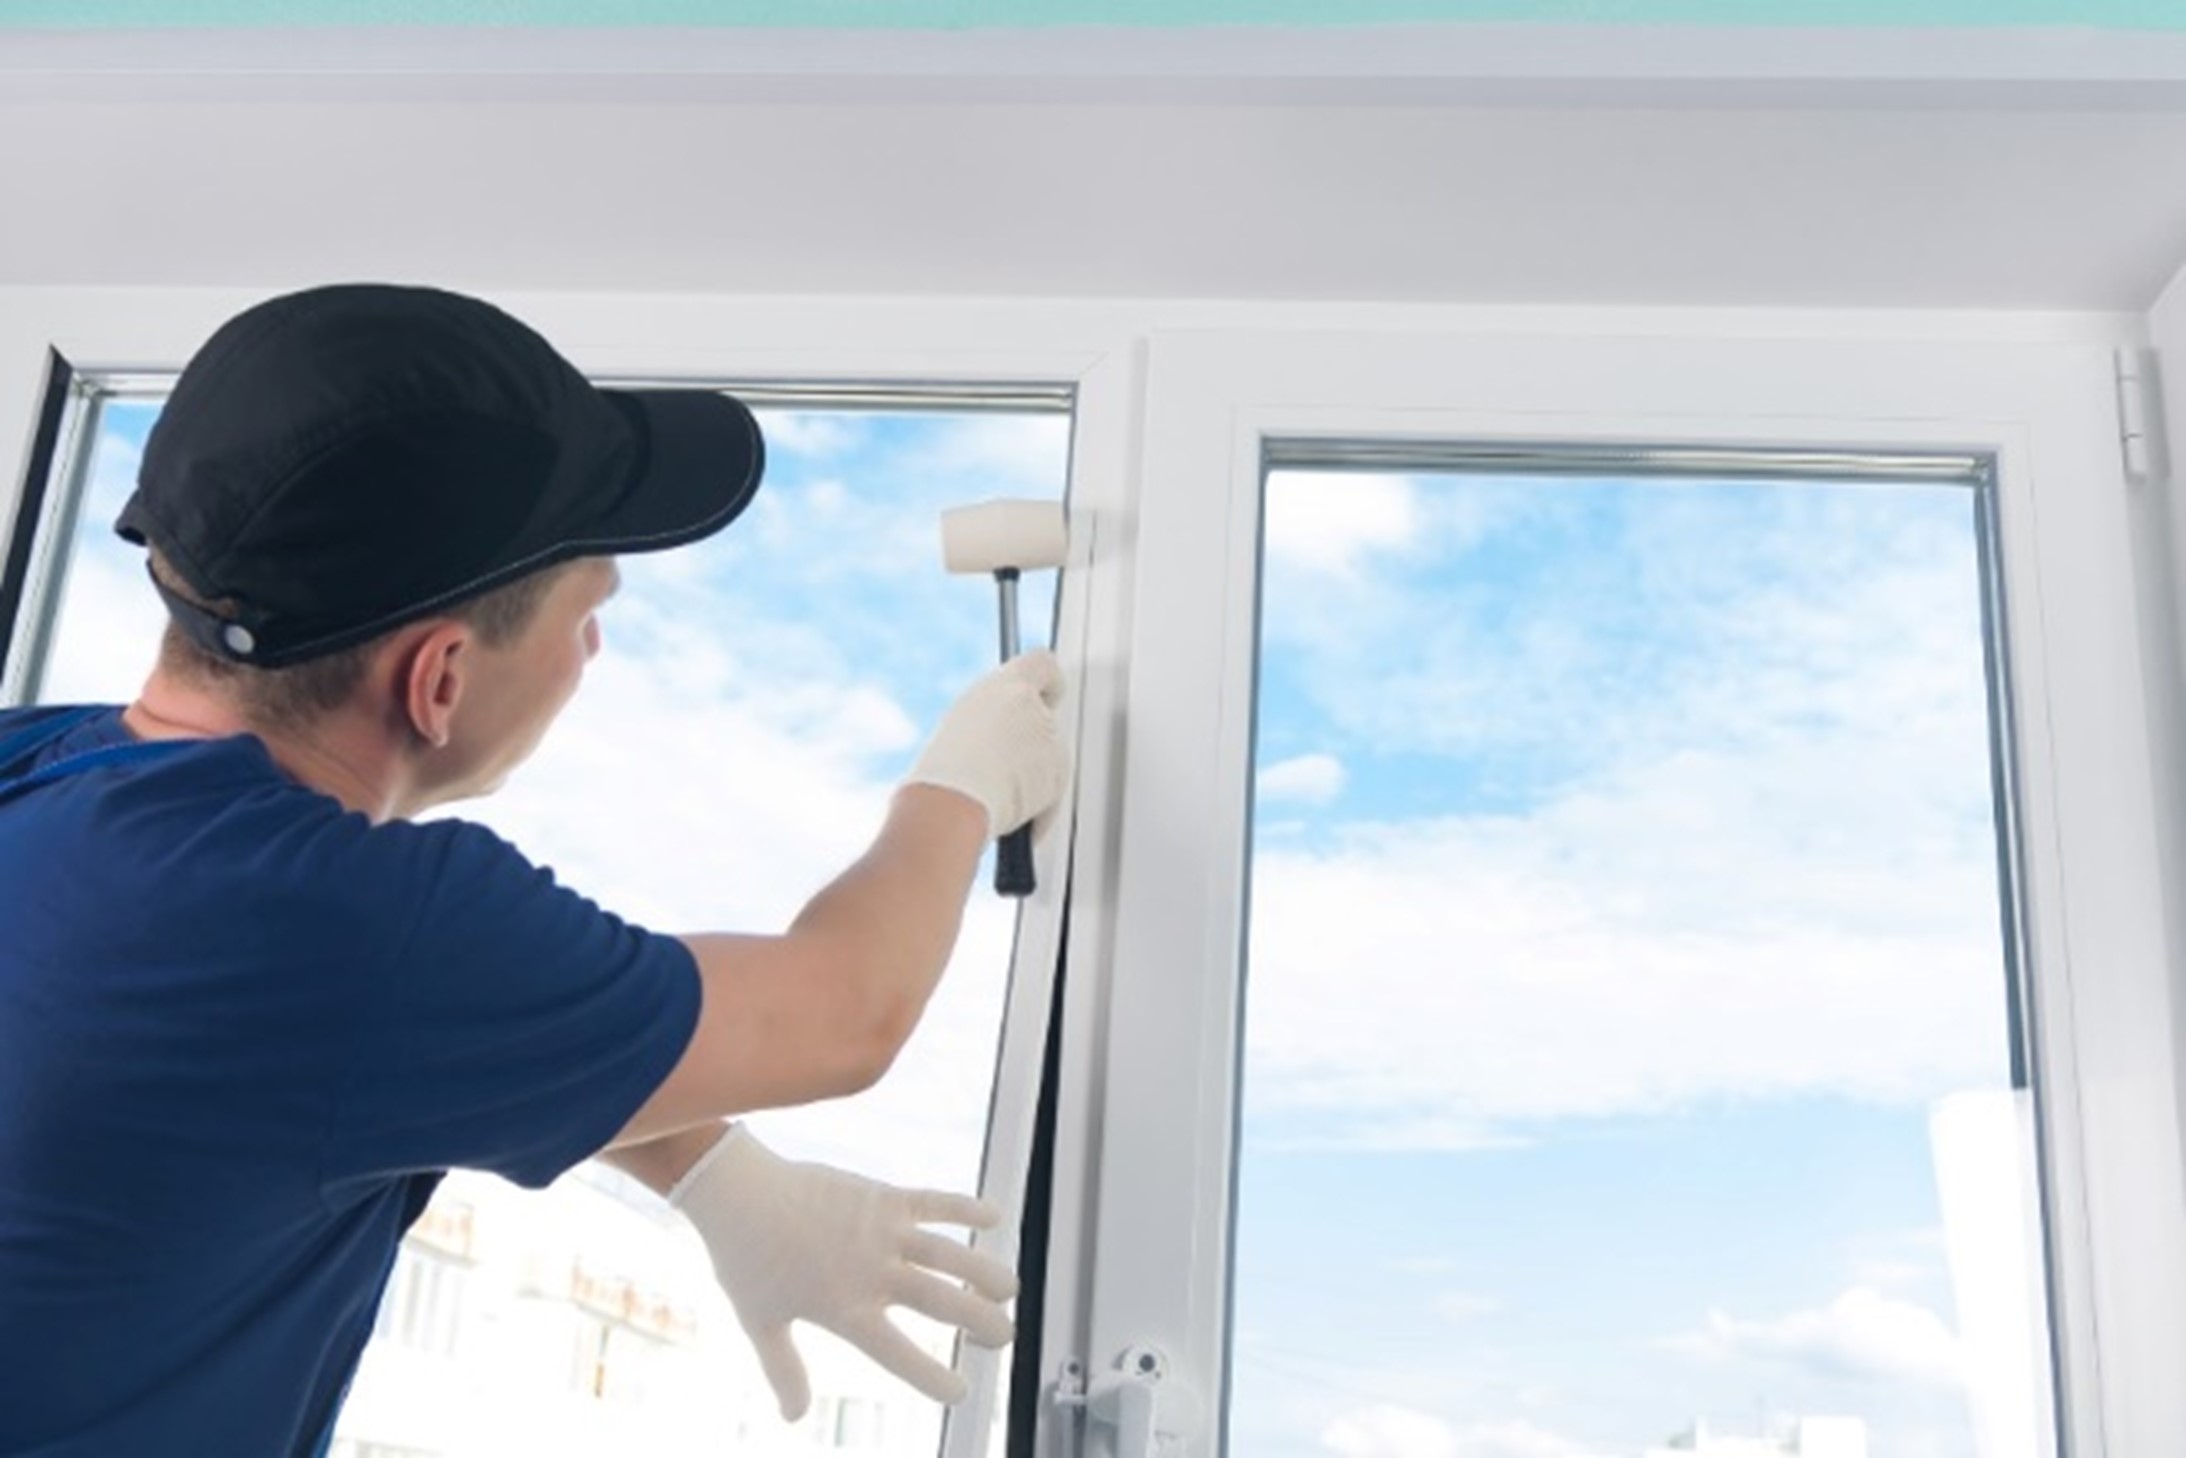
(1158, 1247)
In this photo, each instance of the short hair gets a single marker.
(293, 696)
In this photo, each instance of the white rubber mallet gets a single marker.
(1006, 539)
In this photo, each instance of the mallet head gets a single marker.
(999, 536)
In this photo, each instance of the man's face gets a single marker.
(518, 689)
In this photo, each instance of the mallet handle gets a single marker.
(1013, 853)
(1013, 863)
(1005, 583)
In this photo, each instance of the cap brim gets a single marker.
(700, 468)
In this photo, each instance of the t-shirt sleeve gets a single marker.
(515, 1025)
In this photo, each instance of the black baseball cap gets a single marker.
(344, 460)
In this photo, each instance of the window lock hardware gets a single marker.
(1151, 1411)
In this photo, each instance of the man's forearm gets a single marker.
(658, 1163)
(897, 910)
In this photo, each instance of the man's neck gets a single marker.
(334, 755)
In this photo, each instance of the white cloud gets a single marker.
(107, 633)
(1307, 779)
(1366, 1126)
(814, 434)
(997, 455)
(1518, 1439)
(1894, 1275)
(1463, 1306)
(1688, 932)
(1386, 1430)
(1861, 1336)
(1334, 522)
(109, 627)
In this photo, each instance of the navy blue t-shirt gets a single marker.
(242, 1032)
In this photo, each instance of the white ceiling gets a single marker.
(1506, 168)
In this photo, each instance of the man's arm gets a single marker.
(822, 1009)
(658, 1163)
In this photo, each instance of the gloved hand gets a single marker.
(805, 1242)
(1000, 743)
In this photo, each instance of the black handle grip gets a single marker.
(1013, 863)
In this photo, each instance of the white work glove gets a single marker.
(1000, 743)
(805, 1242)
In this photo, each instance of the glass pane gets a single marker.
(760, 696)
(106, 632)
(1627, 1049)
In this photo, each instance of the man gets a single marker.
(250, 1011)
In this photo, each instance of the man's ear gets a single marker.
(434, 674)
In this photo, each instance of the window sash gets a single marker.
(1084, 371)
(1218, 404)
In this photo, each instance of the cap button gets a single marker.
(238, 639)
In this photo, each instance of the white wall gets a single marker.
(2167, 335)
(2160, 540)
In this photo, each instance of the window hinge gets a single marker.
(1147, 1411)
(2140, 414)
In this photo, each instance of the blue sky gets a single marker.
(1624, 905)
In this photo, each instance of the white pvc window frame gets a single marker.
(1173, 406)
(1158, 1244)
